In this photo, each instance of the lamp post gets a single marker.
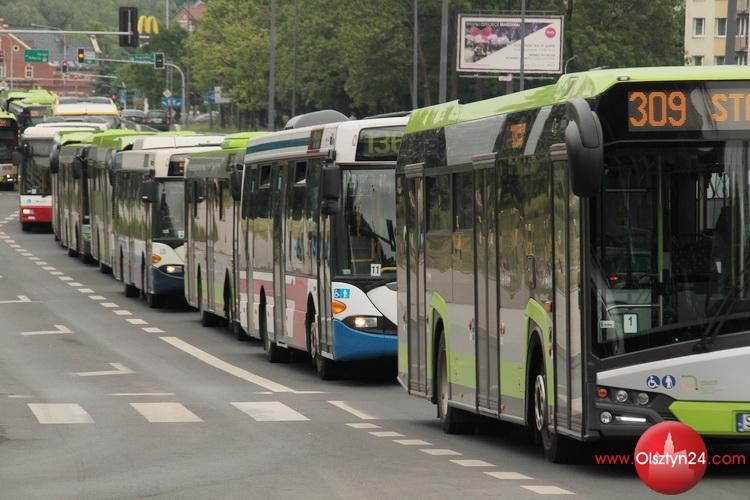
(567, 61)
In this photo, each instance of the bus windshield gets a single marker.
(671, 245)
(171, 207)
(365, 242)
(35, 173)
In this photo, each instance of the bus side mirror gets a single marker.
(235, 184)
(77, 167)
(54, 160)
(330, 187)
(585, 146)
(16, 158)
(148, 191)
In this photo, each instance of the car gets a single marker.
(133, 115)
(158, 119)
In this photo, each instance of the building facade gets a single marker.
(706, 32)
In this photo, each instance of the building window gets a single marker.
(697, 60)
(2, 70)
(742, 59)
(721, 26)
(29, 73)
(741, 26)
(699, 26)
(719, 60)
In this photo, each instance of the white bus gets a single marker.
(212, 230)
(318, 270)
(149, 214)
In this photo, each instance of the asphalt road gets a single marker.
(102, 397)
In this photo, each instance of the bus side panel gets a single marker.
(401, 276)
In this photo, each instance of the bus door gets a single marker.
(213, 200)
(415, 269)
(485, 285)
(568, 361)
(278, 204)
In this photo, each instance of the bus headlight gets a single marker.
(365, 322)
(173, 269)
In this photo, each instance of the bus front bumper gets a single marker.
(167, 284)
(351, 344)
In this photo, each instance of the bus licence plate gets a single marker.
(743, 422)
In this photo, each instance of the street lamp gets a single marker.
(565, 68)
(64, 44)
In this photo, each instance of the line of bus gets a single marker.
(574, 258)
(212, 232)
(8, 145)
(317, 252)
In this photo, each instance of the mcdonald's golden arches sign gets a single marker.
(148, 25)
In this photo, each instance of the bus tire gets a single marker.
(26, 227)
(72, 252)
(207, 319)
(452, 420)
(153, 300)
(274, 353)
(131, 291)
(557, 448)
(326, 369)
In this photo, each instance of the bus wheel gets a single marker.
(326, 368)
(557, 448)
(153, 300)
(452, 420)
(26, 227)
(274, 353)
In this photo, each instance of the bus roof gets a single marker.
(584, 85)
(117, 139)
(37, 132)
(158, 159)
(6, 115)
(84, 108)
(292, 143)
(159, 141)
(73, 136)
(239, 140)
(346, 150)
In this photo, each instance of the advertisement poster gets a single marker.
(492, 44)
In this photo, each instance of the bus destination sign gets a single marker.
(379, 144)
(696, 109)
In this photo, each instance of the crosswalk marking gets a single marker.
(270, 411)
(66, 413)
(165, 412)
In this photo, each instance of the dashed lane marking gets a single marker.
(85, 290)
(363, 425)
(57, 273)
(472, 463)
(60, 413)
(48, 268)
(66, 278)
(547, 490)
(166, 412)
(139, 394)
(34, 258)
(270, 411)
(386, 434)
(123, 312)
(108, 304)
(59, 329)
(509, 476)
(226, 367)
(440, 452)
(97, 297)
(137, 321)
(359, 414)
(119, 369)
(152, 329)
(40, 263)
(412, 442)
(74, 283)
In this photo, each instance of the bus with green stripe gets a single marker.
(574, 258)
(212, 233)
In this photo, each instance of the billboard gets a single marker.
(492, 44)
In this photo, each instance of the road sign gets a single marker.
(167, 93)
(90, 57)
(174, 102)
(142, 58)
(35, 56)
(208, 98)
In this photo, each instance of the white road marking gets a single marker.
(59, 329)
(48, 268)
(10, 241)
(310, 392)
(270, 411)
(34, 258)
(97, 297)
(69, 413)
(119, 369)
(440, 452)
(123, 312)
(359, 414)
(386, 434)
(26, 254)
(363, 425)
(56, 273)
(412, 442)
(19, 396)
(108, 304)
(152, 329)
(165, 412)
(259, 392)
(40, 263)
(509, 475)
(547, 490)
(472, 463)
(20, 250)
(14, 245)
(85, 290)
(21, 299)
(66, 278)
(128, 394)
(137, 321)
(74, 283)
(224, 366)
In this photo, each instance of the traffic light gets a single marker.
(128, 17)
(64, 66)
(81, 56)
(159, 60)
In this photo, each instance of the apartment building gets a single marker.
(706, 32)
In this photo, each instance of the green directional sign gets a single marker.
(142, 58)
(35, 56)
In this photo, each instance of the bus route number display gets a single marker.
(694, 110)
(379, 144)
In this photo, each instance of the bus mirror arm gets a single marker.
(16, 158)
(235, 184)
(584, 144)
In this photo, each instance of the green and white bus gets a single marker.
(574, 258)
